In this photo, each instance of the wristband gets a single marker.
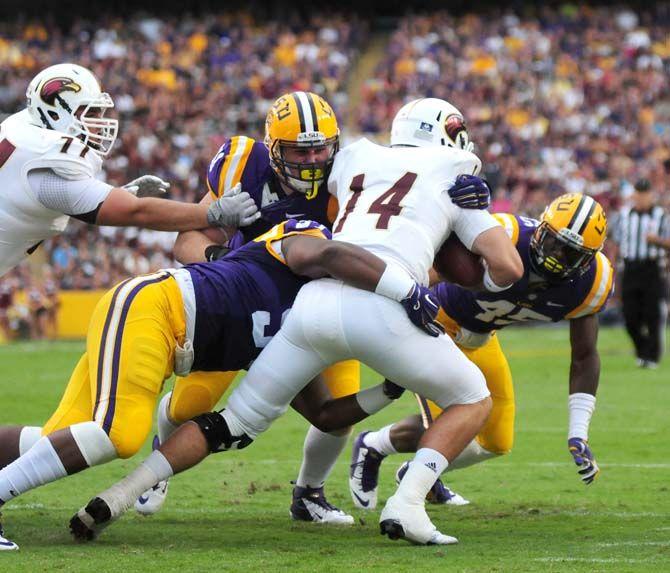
(394, 283)
(489, 284)
(214, 252)
(371, 400)
(580, 409)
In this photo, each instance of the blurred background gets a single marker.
(557, 97)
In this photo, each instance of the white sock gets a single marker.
(38, 466)
(28, 438)
(165, 425)
(123, 494)
(319, 454)
(381, 441)
(421, 475)
(94, 444)
(472, 454)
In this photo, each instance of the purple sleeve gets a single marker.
(214, 169)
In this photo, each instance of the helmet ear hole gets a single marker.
(53, 115)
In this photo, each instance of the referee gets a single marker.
(643, 234)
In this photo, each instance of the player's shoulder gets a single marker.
(272, 239)
(237, 156)
(598, 284)
(67, 156)
(451, 159)
(516, 226)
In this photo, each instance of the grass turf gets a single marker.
(529, 512)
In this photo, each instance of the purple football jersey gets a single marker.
(242, 299)
(528, 299)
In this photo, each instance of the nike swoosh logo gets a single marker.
(554, 304)
(142, 500)
(294, 215)
(362, 502)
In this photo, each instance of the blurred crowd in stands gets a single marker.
(565, 98)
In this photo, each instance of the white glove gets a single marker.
(147, 186)
(235, 208)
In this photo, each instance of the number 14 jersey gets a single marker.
(393, 201)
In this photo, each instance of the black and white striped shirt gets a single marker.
(632, 229)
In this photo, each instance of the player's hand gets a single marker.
(470, 192)
(583, 456)
(147, 186)
(235, 208)
(216, 252)
(422, 307)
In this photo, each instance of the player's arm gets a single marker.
(584, 376)
(503, 265)
(315, 258)
(201, 245)
(319, 408)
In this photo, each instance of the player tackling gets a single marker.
(394, 202)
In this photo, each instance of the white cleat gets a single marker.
(152, 500)
(6, 544)
(364, 473)
(402, 520)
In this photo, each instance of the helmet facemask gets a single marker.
(303, 177)
(92, 127)
(557, 255)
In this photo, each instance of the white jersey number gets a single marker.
(501, 313)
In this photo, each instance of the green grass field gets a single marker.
(529, 512)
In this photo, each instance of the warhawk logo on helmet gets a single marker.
(52, 88)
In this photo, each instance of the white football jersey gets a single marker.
(393, 201)
(24, 220)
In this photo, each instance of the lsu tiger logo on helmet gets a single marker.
(572, 230)
(302, 136)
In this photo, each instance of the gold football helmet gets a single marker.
(572, 230)
(297, 122)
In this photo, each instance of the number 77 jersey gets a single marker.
(394, 201)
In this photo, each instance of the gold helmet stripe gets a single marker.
(581, 217)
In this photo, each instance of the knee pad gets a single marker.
(218, 435)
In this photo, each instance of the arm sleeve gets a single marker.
(470, 223)
(76, 198)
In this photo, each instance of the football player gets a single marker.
(284, 176)
(51, 154)
(395, 202)
(206, 316)
(566, 277)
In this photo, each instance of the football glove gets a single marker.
(147, 186)
(422, 307)
(470, 192)
(235, 208)
(583, 456)
(215, 252)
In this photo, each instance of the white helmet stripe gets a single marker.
(306, 111)
(579, 220)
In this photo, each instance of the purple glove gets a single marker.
(470, 192)
(581, 453)
(422, 306)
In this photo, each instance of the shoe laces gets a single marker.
(369, 469)
(315, 495)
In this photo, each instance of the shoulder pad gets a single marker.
(71, 159)
(287, 229)
(602, 287)
(231, 160)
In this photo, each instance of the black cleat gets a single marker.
(392, 528)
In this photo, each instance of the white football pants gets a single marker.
(331, 322)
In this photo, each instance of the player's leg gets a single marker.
(320, 452)
(632, 313)
(384, 339)
(16, 441)
(107, 410)
(197, 393)
(654, 311)
(262, 396)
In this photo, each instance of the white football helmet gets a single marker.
(68, 98)
(428, 122)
